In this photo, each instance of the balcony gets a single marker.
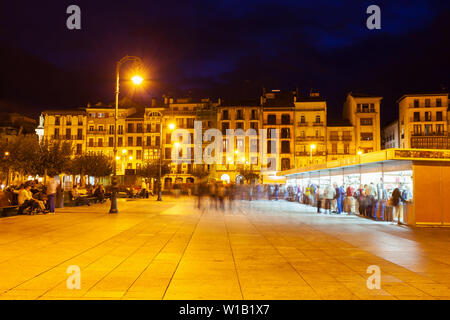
(347, 138)
(278, 123)
(302, 124)
(316, 124)
(309, 138)
(307, 153)
(429, 134)
(334, 138)
(97, 132)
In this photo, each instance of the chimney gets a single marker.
(153, 102)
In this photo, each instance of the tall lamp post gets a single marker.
(7, 174)
(136, 80)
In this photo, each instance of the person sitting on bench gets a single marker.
(26, 200)
(99, 193)
(77, 198)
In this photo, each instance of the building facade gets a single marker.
(423, 121)
(390, 135)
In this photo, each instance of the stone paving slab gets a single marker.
(257, 250)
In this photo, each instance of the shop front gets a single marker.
(422, 177)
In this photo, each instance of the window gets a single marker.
(158, 127)
(317, 119)
(416, 116)
(334, 148)
(56, 133)
(111, 142)
(439, 129)
(439, 102)
(57, 121)
(139, 128)
(346, 136)
(139, 141)
(240, 125)
(346, 148)
(111, 129)
(254, 125)
(254, 115)
(439, 116)
(302, 119)
(285, 147)
(120, 142)
(79, 134)
(239, 114)
(428, 129)
(68, 134)
(190, 123)
(225, 115)
(80, 120)
(358, 107)
(416, 103)
(79, 148)
(271, 119)
(91, 142)
(285, 133)
(334, 136)
(168, 153)
(120, 129)
(68, 122)
(100, 128)
(366, 136)
(138, 154)
(372, 107)
(168, 138)
(285, 164)
(225, 126)
(428, 116)
(417, 130)
(427, 103)
(130, 141)
(285, 119)
(130, 128)
(157, 141)
(366, 121)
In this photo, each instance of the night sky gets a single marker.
(228, 49)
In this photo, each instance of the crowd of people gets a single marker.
(32, 197)
(334, 199)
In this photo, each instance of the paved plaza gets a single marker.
(256, 250)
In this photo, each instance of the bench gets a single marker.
(6, 209)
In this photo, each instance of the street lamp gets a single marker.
(171, 127)
(311, 148)
(7, 174)
(136, 80)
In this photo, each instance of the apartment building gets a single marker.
(390, 135)
(66, 125)
(310, 114)
(243, 151)
(363, 113)
(424, 121)
(341, 140)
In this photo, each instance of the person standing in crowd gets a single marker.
(348, 201)
(318, 199)
(370, 200)
(329, 194)
(395, 202)
(51, 193)
(360, 201)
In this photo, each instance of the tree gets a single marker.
(248, 174)
(200, 172)
(54, 157)
(94, 165)
(150, 169)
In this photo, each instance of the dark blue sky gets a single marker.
(222, 48)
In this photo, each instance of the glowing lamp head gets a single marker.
(177, 145)
(137, 80)
(359, 152)
(171, 126)
(124, 151)
(117, 158)
(236, 152)
(6, 153)
(130, 157)
(313, 146)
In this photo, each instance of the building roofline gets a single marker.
(421, 95)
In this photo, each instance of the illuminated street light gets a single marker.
(124, 151)
(117, 158)
(6, 153)
(236, 151)
(130, 157)
(172, 126)
(137, 80)
(359, 152)
(177, 145)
